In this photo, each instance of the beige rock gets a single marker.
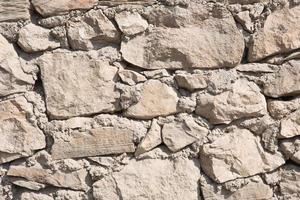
(93, 30)
(284, 82)
(279, 108)
(291, 149)
(290, 125)
(99, 141)
(177, 135)
(157, 99)
(31, 185)
(34, 38)
(245, 20)
(131, 23)
(56, 7)
(242, 100)
(131, 77)
(74, 180)
(76, 84)
(152, 179)
(151, 140)
(191, 82)
(19, 138)
(280, 34)
(14, 10)
(256, 68)
(12, 77)
(70, 194)
(213, 44)
(34, 196)
(237, 154)
(290, 182)
(159, 73)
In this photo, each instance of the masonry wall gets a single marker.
(149, 100)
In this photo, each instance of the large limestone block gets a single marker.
(284, 82)
(19, 138)
(14, 10)
(237, 154)
(99, 141)
(152, 179)
(157, 99)
(57, 7)
(12, 77)
(280, 34)
(76, 84)
(290, 125)
(214, 43)
(242, 100)
(92, 30)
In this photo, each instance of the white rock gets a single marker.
(290, 182)
(31, 185)
(245, 20)
(34, 196)
(290, 125)
(131, 23)
(131, 77)
(191, 82)
(280, 108)
(14, 10)
(237, 154)
(34, 38)
(157, 99)
(291, 149)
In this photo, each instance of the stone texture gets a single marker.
(14, 11)
(58, 7)
(291, 149)
(245, 20)
(290, 125)
(278, 109)
(242, 100)
(284, 82)
(152, 179)
(100, 141)
(191, 82)
(19, 138)
(290, 182)
(157, 99)
(280, 34)
(31, 185)
(131, 77)
(76, 84)
(12, 77)
(34, 38)
(92, 30)
(131, 23)
(223, 160)
(256, 68)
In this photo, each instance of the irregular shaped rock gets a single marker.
(242, 100)
(256, 68)
(213, 44)
(19, 138)
(131, 23)
(159, 73)
(245, 20)
(223, 160)
(290, 126)
(284, 82)
(34, 38)
(279, 108)
(191, 82)
(131, 77)
(157, 99)
(12, 77)
(290, 182)
(146, 179)
(151, 140)
(57, 7)
(291, 149)
(178, 135)
(31, 185)
(14, 10)
(280, 34)
(100, 141)
(34, 196)
(74, 180)
(76, 84)
(93, 30)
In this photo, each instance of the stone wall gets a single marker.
(150, 100)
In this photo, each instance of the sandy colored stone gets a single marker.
(291, 149)
(157, 99)
(151, 140)
(76, 84)
(57, 7)
(177, 135)
(242, 100)
(19, 137)
(12, 77)
(245, 20)
(191, 82)
(256, 68)
(290, 182)
(131, 77)
(31, 185)
(152, 179)
(34, 38)
(280, 108)
(14, 10)
(34, 196)
(92, 30)
(99, 141)
(215, 43)
(284, 82)
(74, 180)
(290, 125)
(280, 34)
(131, 23)
(237, 154)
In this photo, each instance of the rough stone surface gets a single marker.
(131, 77)
(131, 23)
(291, 149)
(14, 11)
(279, 108)
(290, 125)
(290, 182)
(191, 82)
